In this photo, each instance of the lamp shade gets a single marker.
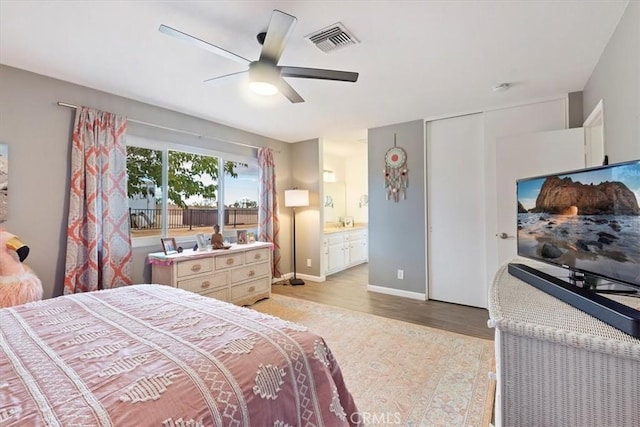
(296, 198)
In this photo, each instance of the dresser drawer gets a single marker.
(220, 294)
(256, 255)
(250, 289)
(204, 283)
(249, 272)
(194, 266)
(228, 261)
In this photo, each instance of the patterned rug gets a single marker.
(400, 373)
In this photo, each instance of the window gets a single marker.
(181, 191)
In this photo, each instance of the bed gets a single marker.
(153, 355)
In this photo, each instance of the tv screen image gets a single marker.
(588, 221)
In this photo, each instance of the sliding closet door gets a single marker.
(456, 210)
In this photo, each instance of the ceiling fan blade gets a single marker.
(318, 73)
(227, 77)
(280, 28)
(289, 92)
(203, 44)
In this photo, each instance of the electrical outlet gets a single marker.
(308, 262)
(401, 274)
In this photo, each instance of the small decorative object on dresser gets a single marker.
(217, 239)
(169, 245)
(202, 241)
(347, 222)
(241, 237)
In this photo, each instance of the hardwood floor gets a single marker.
(348, 289)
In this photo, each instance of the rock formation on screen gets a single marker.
(521, 209)
(608, 198)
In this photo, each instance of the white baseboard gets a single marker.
(397, 292)
(287, 276)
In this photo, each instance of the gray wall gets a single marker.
(397, 230)
(38, 133)
(306, 171)
(616, 80)
(575, 110)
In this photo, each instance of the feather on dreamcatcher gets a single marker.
(396, 174)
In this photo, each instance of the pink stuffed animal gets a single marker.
(18, 283)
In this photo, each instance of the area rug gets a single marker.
(400, 373)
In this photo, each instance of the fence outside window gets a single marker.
(188, 219)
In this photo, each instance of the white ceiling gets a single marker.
(416, 59)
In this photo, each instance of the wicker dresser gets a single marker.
(241, 274)
(558, 366)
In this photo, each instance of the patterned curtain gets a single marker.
(98, 242)
(268, 223)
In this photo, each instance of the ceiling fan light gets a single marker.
(263, 88)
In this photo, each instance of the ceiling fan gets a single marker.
(265, 75)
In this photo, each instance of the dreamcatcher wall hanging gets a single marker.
(396, 178)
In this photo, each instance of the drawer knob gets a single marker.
(229, 261)
(205, 285)
(251, 273)
(256, 256)
(251, 289)
(196, 267)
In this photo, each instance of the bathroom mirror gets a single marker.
(334, 201)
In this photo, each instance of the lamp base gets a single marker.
(296, 282)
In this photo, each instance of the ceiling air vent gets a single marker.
(331, 38)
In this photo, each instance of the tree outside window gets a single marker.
(192, 194)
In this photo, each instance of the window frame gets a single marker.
(165, 147)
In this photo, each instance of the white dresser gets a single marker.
(241, 274)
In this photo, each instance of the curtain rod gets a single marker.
(186, 132)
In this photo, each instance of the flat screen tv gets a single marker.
(588, 222)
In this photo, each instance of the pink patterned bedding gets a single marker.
(152, 355)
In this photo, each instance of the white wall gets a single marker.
(474, 161)
(351, 169)
(356, 170)
(616, 80)
(538, 117)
